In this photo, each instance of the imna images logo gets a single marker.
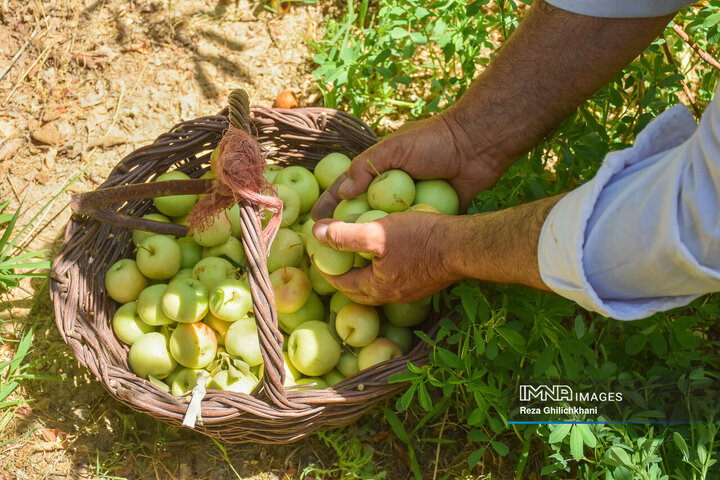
(544, 393)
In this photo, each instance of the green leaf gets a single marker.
(576, 443)
(579, 327)
(616, 456)
(711, 20)
(500, 448)
(681, 444)
(476, 456)
(424, 398)
(587, 435)
(635, 344)
(397, 427)
(544, 361)
(404, 401)
(449, 359)
(559, 433)
(398, 32)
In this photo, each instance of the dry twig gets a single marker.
(688, 93)
(703, 54)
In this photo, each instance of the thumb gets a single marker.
(351, 237)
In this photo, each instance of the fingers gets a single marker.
(351, 237)
(364, 168)
(325, 205)
(357, 285)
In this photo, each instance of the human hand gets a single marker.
(412, 256)
(433, 148)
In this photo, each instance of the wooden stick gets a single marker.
(703, 54)
(688, 93)
(19, 53)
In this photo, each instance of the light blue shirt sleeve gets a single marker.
(644, 235)
(621, 8)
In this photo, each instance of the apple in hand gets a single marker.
(286, 250)
(330, 168)
(232, 249)
(215, 231)
(212, 270)
(185, 300)
(128, 326)
(351, 208)
(124, 281)
(391, 191)
(191, 252)
(408, 315)
(312, 349)
(241, 340)
(303, 182)
(331, 261)
(174, 205)
(159, 257)
(357, 325)
(367, 217)
(193, 345)
(139, 236)
(312, 310)
(380, 350)
(291, 287)
(150, 355)
(348, 364)
(439, 194)
(423, 207)
(149, 306)
(230, 300)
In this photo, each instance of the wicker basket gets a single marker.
(84, 312)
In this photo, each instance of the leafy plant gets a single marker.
(10, 261)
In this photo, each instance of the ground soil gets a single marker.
(94, 81)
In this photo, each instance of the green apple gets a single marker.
(408, 315)
(124, 281)
(214, 156)
(230, 300)
(423, 207)
(215, 231)
(183, 273)
(306, 233)
(312, 310)
(292, 289)
(391, 191)
(193, 345)
(303, 182)
(291, 373)
(212, 270)
(185, 300)
(318, 282)
(312, 349)
(191, 252)
(149, 306)
(300, 221)
(367, 217)
(174, 205)
(242, 384)
(357, 325)
(439, 194)
(338, 301)
(380, 350)
(159, 257)
(241, 340)
(403, 336)
(150, 355)
(285, 251)
(220, 327)
(233, 250)
(181, 220)
(182, 381)
(139, 236)
(271, 172)
(330, 168)
(350, 209)
(291, 204)
(331, 261)
(316, 383)
(233, 214)
(360, 261)
(128, 326)
(348, 364)
(333, 377)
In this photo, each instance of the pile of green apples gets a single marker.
(187, 306)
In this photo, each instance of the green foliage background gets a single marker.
(408, 59)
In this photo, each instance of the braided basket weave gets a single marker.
(84, 311)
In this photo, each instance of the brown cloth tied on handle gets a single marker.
(240, 174)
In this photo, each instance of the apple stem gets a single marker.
(373, 167)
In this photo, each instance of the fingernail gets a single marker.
(320, 231)
(345, 187)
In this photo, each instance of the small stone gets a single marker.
(47, 134)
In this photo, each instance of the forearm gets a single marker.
(553, 62)
(498, 246)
